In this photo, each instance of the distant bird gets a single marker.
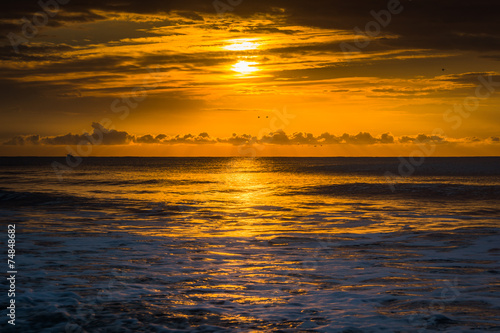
(267, 116)
(258, 117)
(443, 69)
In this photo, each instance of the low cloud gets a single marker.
(99, 136)
(104, 136)
(422, 138)
(202, 138)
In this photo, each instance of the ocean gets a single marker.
(252, 244)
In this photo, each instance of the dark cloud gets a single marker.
(386, 138)
(471, 77)
(239, 140)
(263, 29)
(29, 52)
(473, 139)
(202, 138)
(328, 138)
(100, 135)
(492, 57)
(112, 64)
(104, 136)
(444, 24)
(191, 15)
(404, 91)
(361, 138)
(22, 140)
(422, 138)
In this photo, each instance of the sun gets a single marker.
(245, 67)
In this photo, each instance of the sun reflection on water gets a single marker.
(240, 242)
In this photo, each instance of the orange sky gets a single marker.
(267, 78)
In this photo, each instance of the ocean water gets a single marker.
(253, 245)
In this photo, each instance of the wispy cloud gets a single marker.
(94, 52)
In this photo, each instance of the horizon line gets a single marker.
(205, 156)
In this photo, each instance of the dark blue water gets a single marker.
(264, 245)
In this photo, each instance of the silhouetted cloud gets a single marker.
(422, 138)
(99, 136)
(238, 140)
(104, 136)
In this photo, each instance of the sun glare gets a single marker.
(245, 67)
(242, 45)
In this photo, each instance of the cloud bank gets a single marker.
(105, 136)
